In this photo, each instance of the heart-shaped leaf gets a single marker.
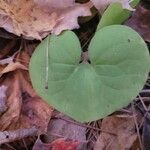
(86, 92)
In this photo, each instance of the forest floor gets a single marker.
(29, 123)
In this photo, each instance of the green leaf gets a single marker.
(115, 14)
(86, 92)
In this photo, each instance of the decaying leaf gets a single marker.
(64, 127)
(11, 67)
(59, 144)
(124, 128)
(6, 60)
(34, 19)
(101, 5)
(140, 22)
(24, 108)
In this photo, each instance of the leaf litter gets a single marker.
(24, 110)
(140, 21)
(35, 19)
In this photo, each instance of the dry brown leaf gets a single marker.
(58, 144)
(101, 5)
(140, 21)
(72, 13)
(24, 108)
(124, 128)
(12, 66)
(23, 17)
(34, 19)
(6, 60)
(35, 112)
(13, 102)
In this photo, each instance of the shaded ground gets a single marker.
(128, 128)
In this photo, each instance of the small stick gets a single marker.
(11, 147)
(9, 136)
(145, 91)
(136, 125)
(144, 106)
(25, 145)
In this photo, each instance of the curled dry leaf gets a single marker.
(101, 5)
(123, 127)
(140, 22)
(59, 144)
(6, 60)
(12, 66)
(24, 108)
(34, 19)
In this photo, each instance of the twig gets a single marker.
(3, 106)
(145, 91)
(25, 145)
(11, 147)
(136, 125)
(9, 136)
(144, 106)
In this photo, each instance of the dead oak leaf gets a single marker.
(35, 19)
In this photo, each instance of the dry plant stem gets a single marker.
(145, 91)
(144, 99)
(25, 145)
(8, 145)
(144, 106)
(136, 125)
(47, 68)
(9, 136)
(125, 111)
(85, 126)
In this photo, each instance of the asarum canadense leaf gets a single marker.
(119, 67)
